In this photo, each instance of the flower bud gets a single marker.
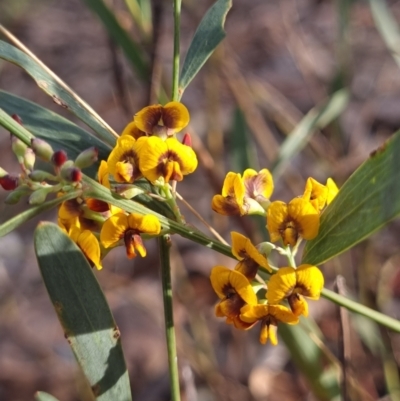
(39, 176)
(29, 159)
(87, 158)
(59, 158)
(42, 149)
(19, 148)
(9, 182)
(14, 197)
(39, 196)
(265, 248)
(187, 139)
(71, 174)
(17, 118)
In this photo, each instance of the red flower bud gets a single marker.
(17, 118)
(71, 174)
(187, 140)
(9, 182)
(59, 158)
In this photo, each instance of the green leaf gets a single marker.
(42, 396)
(56, 130)
(132, 51)
(61, 94)
(368, 200)
(387, 27)
(207, 37)
(316, 118)
(309, 358)
(83, 312)
(28, 214)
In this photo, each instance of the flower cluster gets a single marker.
(283, 296)
(147, 149)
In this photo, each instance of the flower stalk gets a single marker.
(175, 66)
(164, 249)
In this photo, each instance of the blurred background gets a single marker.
(280, 60)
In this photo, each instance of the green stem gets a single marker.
(164, 246)
(290, 256)
(354, 306)
(175, 66)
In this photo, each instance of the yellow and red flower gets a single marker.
(315, 193)
(244, 195)
(248, 255)
(123, 161)
(289, 222)
(235, 291)
(295, 284)
(270, 316)
(162, 120)
(168, 159)
(132, 130)
(129, 229)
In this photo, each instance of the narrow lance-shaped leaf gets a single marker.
(368, 200)
(54, 129)
(83, 313)
(207, 37)
(316, 118)
(63, 96)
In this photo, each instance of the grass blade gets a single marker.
(42, 396)
(316, 118)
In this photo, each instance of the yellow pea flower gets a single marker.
(123, 161)
(244, 195)
(129, 228)
(270, 316)
(169, 159)
(235, 291)
(294, 284)
(157, 119)
(230, 203)
(248, 255)
(290, 221)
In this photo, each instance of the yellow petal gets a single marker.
(226, 206)
(241, 325)
(147, 224)
(175, 116)
(90, 246)
(332, 190)
(219, 280)
(102, 174)
(218, 311)
(310, 281)
(148, 118)
(132, 130)
(277, 214)
(253, 313)
(305, 216)
(114, 229)
(283, 314)
(272, 334)
(69, 209)
(315, 193)
(227, 187)
(242, 286)
(281, 285)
